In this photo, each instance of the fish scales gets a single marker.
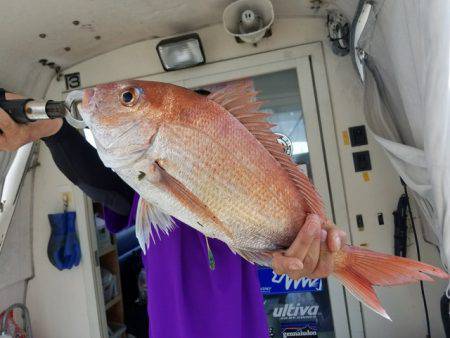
(237, 197)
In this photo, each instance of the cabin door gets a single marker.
(293, 83)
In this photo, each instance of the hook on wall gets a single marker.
(65, 198)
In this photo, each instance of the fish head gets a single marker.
(123, 117)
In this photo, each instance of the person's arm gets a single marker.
(73, 155)
(14, 135)
(80, 163)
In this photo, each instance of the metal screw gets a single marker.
(315, 4)
(67, 49)
(76, 22)
(42, 35)
(362, 55)
(97, 37)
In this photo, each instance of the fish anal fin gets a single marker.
(187, 198)
(240, 101)
(259, 258)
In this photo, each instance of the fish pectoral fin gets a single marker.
(187, 198)
(150, 219)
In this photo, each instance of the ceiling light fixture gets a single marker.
(181, 52)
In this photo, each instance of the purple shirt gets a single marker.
(188, 300)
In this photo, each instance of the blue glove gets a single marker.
(63, 246)
(72, 250)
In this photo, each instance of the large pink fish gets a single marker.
(213, 163)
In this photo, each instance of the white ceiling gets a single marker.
(117, 23)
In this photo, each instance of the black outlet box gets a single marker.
(360, 222)
(358, 136)
(380, 218)
(361, 160)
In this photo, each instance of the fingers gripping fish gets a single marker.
(213, 163)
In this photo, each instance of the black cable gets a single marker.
(425, 306)
(445, 302)
(401, 227)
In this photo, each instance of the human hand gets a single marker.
(312, 252)
(14, 135)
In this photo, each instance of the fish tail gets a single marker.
(360, 269)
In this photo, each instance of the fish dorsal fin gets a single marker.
(240, 101)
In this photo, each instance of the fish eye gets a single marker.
(129, 96)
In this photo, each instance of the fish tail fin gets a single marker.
(360, 269)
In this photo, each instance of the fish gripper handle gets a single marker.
(15, 108)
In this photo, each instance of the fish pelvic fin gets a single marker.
(239, 99)
(150, 220)
(360, 269)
